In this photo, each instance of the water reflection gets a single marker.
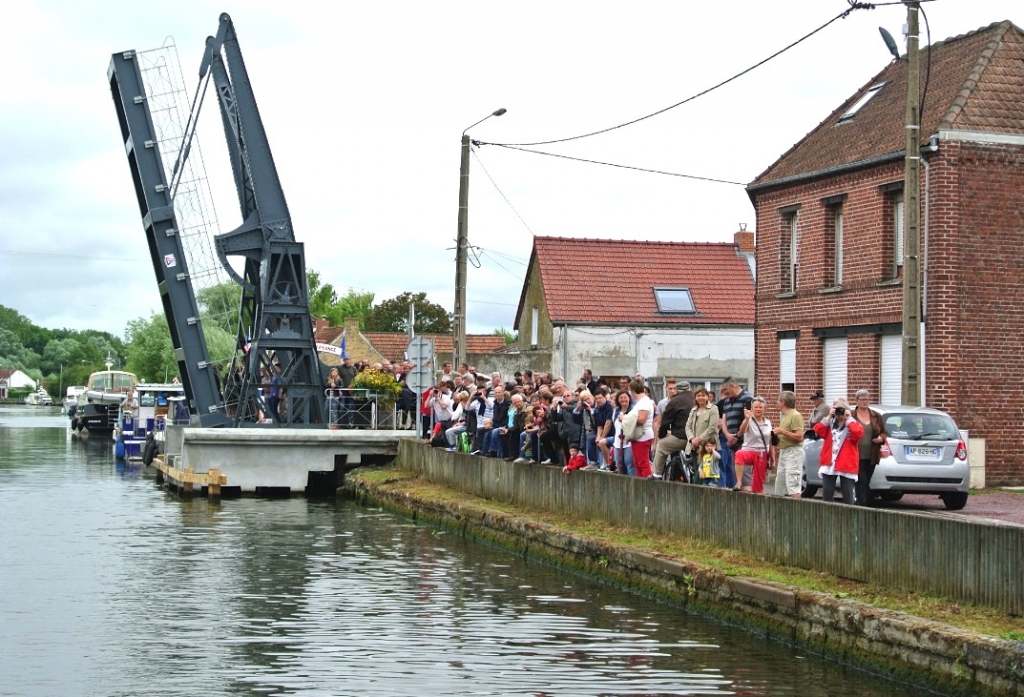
(111, 586)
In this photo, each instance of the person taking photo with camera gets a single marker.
(839, 462)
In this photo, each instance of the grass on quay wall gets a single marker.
(725, 561)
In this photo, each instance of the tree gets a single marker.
(60, 352)
(393, 315)
(322, 296)
(14, 354)
(219, 305)
(324, 302)
(508, 336)
(358, 305)
(150, 352)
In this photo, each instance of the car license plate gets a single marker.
(922, 451)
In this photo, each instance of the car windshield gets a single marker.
(921, 427)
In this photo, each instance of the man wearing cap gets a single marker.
(672, 428)
(820, 408)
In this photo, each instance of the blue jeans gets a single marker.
(624, 460)
(495, 442)
(593, 454)
(726, 466)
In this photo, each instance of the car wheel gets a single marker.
(891, 496)
(954, 501)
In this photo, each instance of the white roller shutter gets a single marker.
(835, 369)
(891, 370)
(787, 361)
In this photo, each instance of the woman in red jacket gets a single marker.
(839, 461)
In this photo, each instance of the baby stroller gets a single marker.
(680, 468)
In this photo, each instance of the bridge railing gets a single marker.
(359, 408)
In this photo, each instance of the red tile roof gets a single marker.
(328, 335)
(589, 281)
(976, 84)
(392, 345)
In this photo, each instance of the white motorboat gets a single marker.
(39, 398)
(97, 407)
(143, 418)
(72, 395)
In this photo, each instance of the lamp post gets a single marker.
(462, 249)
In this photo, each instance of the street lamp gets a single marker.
(462, 249)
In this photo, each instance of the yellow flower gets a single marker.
(382, 383)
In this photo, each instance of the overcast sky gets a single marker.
(364, 105)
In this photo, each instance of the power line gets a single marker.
(502, 266)
(612, 164)
(842, 15)
(515, 260)
(498, 189)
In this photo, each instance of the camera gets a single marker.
(840, 411)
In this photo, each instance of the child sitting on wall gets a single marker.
(576, 460)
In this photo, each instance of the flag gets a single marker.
(344, 339)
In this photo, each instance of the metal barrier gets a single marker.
(358, 408)
(953, 557)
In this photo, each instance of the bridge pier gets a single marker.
(248, 461)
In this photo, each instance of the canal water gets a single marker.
(111, 586)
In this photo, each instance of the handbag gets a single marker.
(631, 430)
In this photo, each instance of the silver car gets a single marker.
(924, 454)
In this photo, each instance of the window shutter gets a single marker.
(787, 361)
(835, 369)
(897, 226)
(891, 370)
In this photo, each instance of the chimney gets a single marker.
(744, 240)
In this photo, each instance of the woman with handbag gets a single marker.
(622, 453)
(641, 443)
(756, 455)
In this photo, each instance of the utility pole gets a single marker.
(912, 220)
(462, 250)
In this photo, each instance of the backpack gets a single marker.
(464, 442)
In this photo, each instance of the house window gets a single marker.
(789, 249)
(860, 103)
(534, 323)
(787, 364)
(897, 237)
(837, 241)
(676, 301)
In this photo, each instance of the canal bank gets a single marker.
(901, 646)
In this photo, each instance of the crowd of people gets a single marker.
(730, 442)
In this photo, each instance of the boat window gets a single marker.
(123, 382)
(99, 381)
(161, 399)
(146, 399)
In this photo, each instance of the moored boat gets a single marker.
(72, 395)
(143, 418)
(39, 398)
(97, 407)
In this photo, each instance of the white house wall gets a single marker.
(670, 352)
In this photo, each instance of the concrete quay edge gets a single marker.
(901, 647)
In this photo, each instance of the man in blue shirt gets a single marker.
(735, 400)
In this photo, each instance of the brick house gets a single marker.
(622, 307)
(829, 239)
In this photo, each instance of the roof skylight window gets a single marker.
(859, 104)
(677, 301)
